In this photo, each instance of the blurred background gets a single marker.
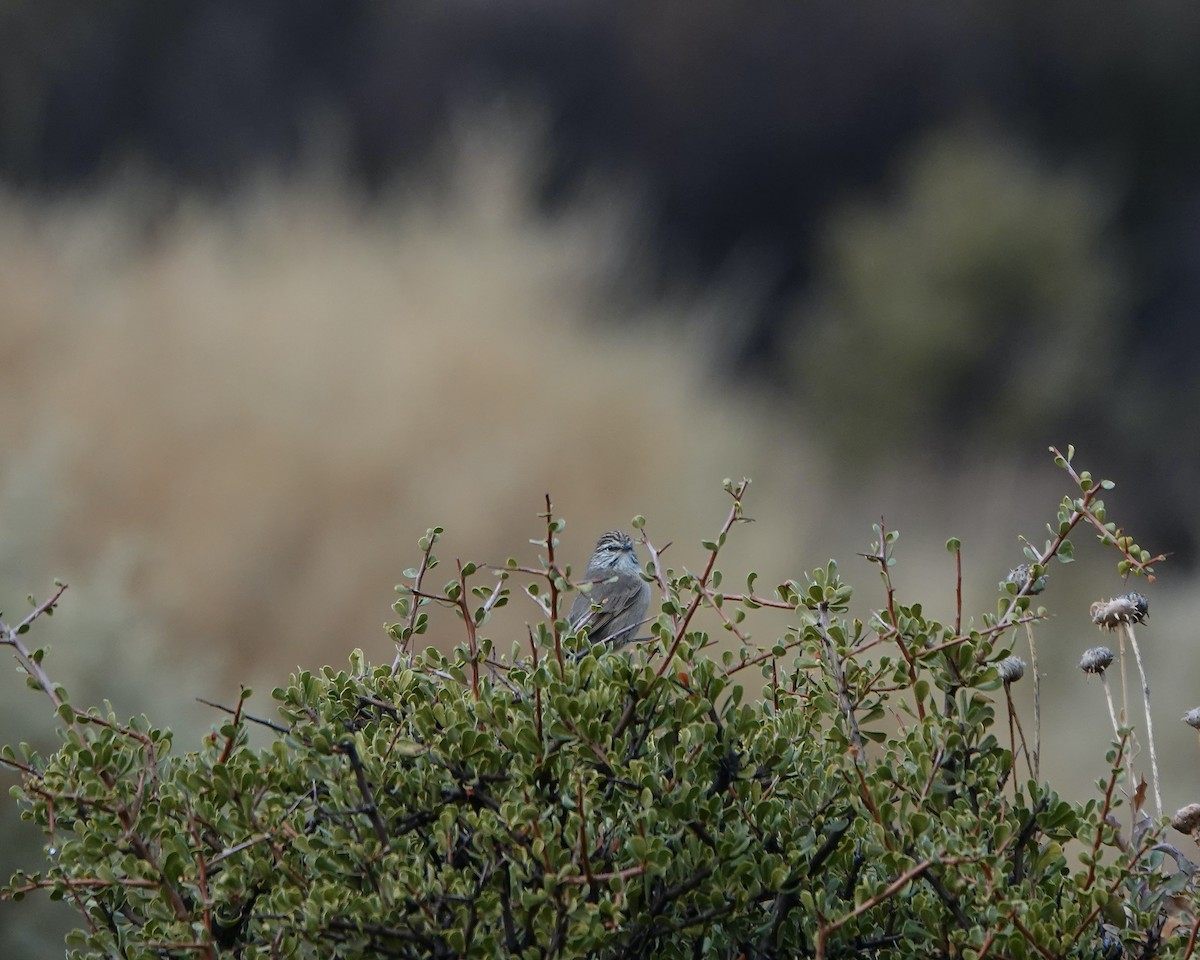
(283, 284)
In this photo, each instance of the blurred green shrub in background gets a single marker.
(985, 284)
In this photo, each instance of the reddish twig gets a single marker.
(680, 623)
(824, 929)
(881, 557)
(1104, 809)
(413, 613)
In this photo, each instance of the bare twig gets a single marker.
(1124, 682)
(1037, 704)
(1190, 948)
(957, 590)
(1112, 713)
(402, 649)
(680, 622)
(825, 929)
(469, 626)
(269, 724)
(11, 637)
(1106, 806)
(838, 673)
(882, 557)
(1137, 655)
(368, 796)
(552, 576)
(1015, 721)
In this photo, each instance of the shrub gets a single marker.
(563, 800)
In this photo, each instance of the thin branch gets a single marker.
(11, 637)
(839, 679)
(753, 599)
(575, 880)
(469, 626)
(278, 728)
(681, 623)
(1037, 704)
(825, 929)
(881, 557)
(403, 648)
(1112, 712)
(201, 875)
(583, 854)
(957, 590)
(1120, 880)
(84, 883)
(760, 657)
(719, 609)
(550, 574)
(1191, 941)
(238, 848)
(368, 796)
(1137, 655)
(1030, 938)
(1106, 806)
(1015, 719)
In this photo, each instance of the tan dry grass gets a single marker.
(269, 401)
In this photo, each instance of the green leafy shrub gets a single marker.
(565, 800)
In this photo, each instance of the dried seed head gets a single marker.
(1011, 669)
(1192, 718)
(1187, 819)
(1020, 576)
(1127, 608)
(1096, 660)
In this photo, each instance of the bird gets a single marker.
(616, 604)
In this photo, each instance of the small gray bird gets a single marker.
(616, 604)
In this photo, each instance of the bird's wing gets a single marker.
(598, 621)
